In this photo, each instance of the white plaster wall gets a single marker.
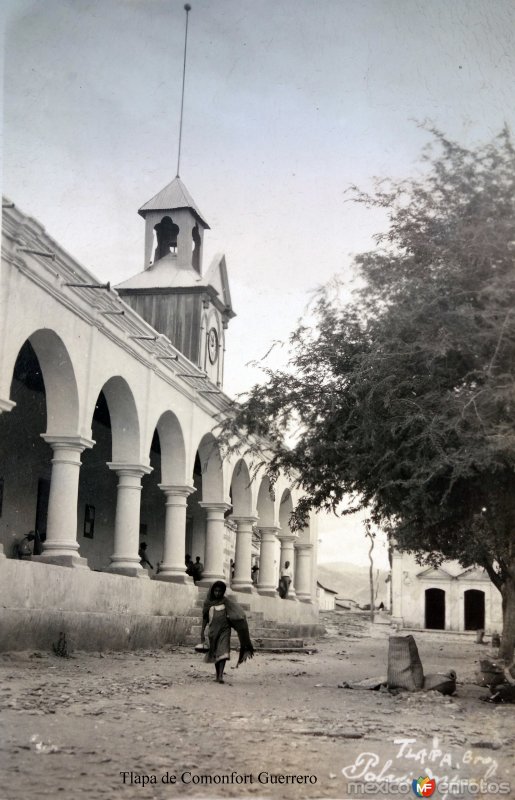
(325, 600)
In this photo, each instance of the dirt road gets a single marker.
(156, 725)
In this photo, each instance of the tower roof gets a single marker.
(173, 196)
(164, 274)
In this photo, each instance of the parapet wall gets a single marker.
(102, 611)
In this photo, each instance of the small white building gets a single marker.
(326, 597)
(448, 598)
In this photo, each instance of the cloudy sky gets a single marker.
(288, 102)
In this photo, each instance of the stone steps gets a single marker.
(256, 632)
(266, 635)
(256, 619)
(260, 643)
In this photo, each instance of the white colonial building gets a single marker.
(109, 401)
(448, 598)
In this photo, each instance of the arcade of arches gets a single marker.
(107, 440)
(94, 499)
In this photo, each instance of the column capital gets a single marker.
(209, 506)
(303, 546)
(135, 470)
(287, 537)
(6, 405)
(269, 530)
(176, 490)
(243, 519)
(66, 442)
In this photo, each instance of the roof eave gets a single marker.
(144, 211)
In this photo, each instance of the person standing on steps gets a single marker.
(219, 615)
(197, 570)
(285, 580)
(142, 552)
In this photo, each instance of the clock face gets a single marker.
(212, 345)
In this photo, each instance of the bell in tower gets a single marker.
(166, 232)
(173, 227)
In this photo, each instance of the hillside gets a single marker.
(351, 581)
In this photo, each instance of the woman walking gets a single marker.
(221, 614)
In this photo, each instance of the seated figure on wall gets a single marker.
(23, 549)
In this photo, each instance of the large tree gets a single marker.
(403, 398)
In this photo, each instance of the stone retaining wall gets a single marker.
(102, 611)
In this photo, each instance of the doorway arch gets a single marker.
(474, 610)
(435, 609)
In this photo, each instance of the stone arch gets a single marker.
(285, 510)
(241, 492)
(173, 451)
(211, 467)
(58, 374)
(125, 427)
(265, 503)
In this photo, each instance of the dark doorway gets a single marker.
(435, 609)
(474, 610)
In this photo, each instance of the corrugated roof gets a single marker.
(173, 196)
(331, 591)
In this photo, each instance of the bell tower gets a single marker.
(173, 227)
(171, 293)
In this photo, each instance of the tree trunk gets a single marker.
(508, 619)
(371, 577)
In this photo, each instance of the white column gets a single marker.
(61, 546)
(173, 567)
(125, 559)
(243, 558)
(288, 554)
(267, 583)
(215, 535)
(5, 405)
(303, 578)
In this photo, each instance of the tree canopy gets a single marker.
(403, 398)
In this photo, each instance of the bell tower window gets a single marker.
(195, 256)
(166, 233)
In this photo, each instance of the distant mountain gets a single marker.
(351, 581)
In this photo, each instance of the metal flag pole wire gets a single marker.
(187, 9)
